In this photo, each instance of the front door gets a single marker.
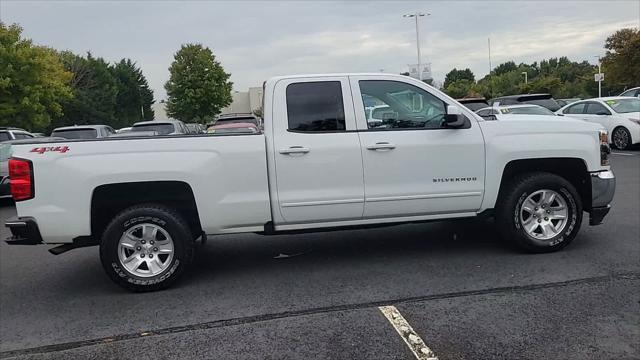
(318, 163)
(412, 165)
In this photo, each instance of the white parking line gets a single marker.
(621, 153)
(413, 341)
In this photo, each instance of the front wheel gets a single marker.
(539, 212)
(621, 138)
(146, 247)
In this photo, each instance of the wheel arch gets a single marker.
(107, 200)
(573, 170)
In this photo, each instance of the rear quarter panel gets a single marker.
(227, 175)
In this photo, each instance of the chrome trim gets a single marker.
(608, 174)
(603, 187)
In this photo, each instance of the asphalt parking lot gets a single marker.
(466, 293)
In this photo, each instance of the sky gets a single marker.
(254, 40)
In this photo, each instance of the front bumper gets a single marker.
(603, 187)
(24, 231)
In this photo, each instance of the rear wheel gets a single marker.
(146, 247)
(539, 212)
(621, 138)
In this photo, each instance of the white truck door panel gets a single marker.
(412, 166)
(318, 162)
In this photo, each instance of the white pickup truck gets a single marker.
(318, 165)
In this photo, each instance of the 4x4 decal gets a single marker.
(44, 149)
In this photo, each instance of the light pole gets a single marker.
(416, 16)
(525, 76)
(599, 76)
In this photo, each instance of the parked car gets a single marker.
(474, 104)
(162, 127)
(619, 115)
(195, 128)
(545, 100)
(633, 92)
(505, 112)
(83, 132)
(318, 165)
(127, 134)
(237, 118)
(234, 128)
(14, 133)
(5, 154)
(563, 102)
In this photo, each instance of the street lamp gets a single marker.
(416, 16)
(525, 76)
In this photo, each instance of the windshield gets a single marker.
(623, 106)
(76, 133)
(161, 129)
(550, 104)
(527, 110)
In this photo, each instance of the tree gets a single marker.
(134, 97)
(33, 82)
(94, 92)
(198, 87)
(621, 63)
(455, 75)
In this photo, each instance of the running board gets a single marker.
(79, 242)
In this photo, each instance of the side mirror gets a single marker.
(454, 118)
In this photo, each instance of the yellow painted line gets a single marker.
(406, 332)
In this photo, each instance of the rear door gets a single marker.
(318, 163)
(412, 165)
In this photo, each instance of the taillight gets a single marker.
(605, 150)
(21, 179)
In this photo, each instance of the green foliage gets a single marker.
(198, 87)
(457, 75)
(33, 82)
(134, 97)
(621, 63)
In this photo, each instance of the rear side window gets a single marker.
(594, 108)
(315, 106)
(162, 129)
(575, 109)
(4, 136)
(22, 136)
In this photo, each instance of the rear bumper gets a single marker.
(603, 187)
(24, 231)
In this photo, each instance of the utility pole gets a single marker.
(599, 76)
(416, 16)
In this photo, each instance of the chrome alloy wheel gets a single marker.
(543, 214)
(145, 250)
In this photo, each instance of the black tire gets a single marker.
(161, 216)
(508, 209)
(621, 138)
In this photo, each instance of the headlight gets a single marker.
(605, 150)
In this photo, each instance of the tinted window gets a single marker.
(596, 109)
(4, 136)
(575, 109)
(550, 104)
(315, 106)
(22, 135)
(408, 106)
(75, 134)
(632, 92)
(474, 106)
(484, 112)
(161, 129)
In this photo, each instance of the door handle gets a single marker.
(294, 150)
(381, 146)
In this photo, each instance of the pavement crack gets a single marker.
(287, 314)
